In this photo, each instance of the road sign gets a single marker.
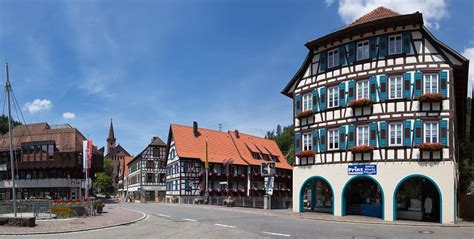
(268, 168)
(269, 185)
(206, 194)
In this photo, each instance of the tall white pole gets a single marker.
(12, 161)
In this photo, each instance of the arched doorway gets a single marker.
(316, 195)
(417, 197)
(363, 195)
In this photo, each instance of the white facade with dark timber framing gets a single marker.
(382, 91)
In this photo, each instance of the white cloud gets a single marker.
(469, 54)
(329, 2)
(38, 105)
(433, 10)
(69, 115)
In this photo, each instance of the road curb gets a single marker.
(144, 215)
(387, 223)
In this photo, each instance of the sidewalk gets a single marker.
(330, 217)
(112, 216)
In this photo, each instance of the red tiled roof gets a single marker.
(378, 13)
(223, 146)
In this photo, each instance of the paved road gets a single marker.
(182, 221)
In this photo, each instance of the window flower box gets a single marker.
(362, 149)
(430, 147)
(360, 103)
(304, 114)
(430, 98)
(306, 153)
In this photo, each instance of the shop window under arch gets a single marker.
(317, 196)
(363, 196)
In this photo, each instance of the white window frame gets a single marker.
(333, 96)
(363, 87)
(396, 130)
(333, 58)
(431, 132)
(307, 101)
(397, 87)
(363, 135)
(363, 50)
(307, 142)
(333, 139)
(397, 49)
(430, 83)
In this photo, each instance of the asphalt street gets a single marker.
(183, 221)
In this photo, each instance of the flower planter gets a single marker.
(430, 147)
(304, 114)
(430, 98)
(306, 153)
(362, 149)
(360, 103)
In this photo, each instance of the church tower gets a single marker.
(111, 139)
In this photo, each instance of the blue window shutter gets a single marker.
(351, 136)
(322, 140)
(342, 55)
(342, 94)
(322, 98)
(418, 83)
(373, 134)
(407, 133)
(443, 134)
(406, 36)
(373, 47)
(342, 137)
(297, 142)
(352, 52)
(407, 85)
(322, 61)
(418, 131)
(383, 134)
(383, 87)
(373, 88)
(383, 46)
(443, 83)
(351, 91)
(315, 100)
(315, 136)
(297, 103)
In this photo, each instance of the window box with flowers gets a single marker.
(430, 147)
(362, 152)
(304, 114)
(361, 106)
(306, 153)
(431, 101)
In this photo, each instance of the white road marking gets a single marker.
(187, 219)
(223, 225)
(276, 234)
(163, 215)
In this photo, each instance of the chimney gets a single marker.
(237, 134)
(195, 129)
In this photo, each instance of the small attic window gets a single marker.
(265, 157)
(275, 159)
(256, 155)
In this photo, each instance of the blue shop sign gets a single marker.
(370, 169)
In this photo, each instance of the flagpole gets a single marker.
(206, 165)
(12, 161)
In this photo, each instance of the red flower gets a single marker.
(431, 146)
(304, 114)
(362, 149)
(306, 153)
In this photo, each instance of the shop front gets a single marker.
(317, 196)
(363, 196)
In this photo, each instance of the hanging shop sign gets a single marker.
(370, 169)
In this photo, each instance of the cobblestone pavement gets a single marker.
(112, 216)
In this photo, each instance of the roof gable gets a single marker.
(376, 14)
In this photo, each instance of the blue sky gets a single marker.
(147, 64)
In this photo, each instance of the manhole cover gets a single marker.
(425, 232)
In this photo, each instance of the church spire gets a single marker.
(111, 139)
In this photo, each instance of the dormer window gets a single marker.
(395, 44)
(255, 156)
(333, 58)
(362, 50)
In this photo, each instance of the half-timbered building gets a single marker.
(234, 164)
(146, 173)
(379, 108)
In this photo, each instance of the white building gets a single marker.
(379, 107)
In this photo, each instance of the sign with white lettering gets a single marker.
(370, 169)
(269, 185)
(3, 167)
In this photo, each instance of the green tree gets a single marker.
(466, 165)
(104, 183)
(108, 167)
(284, 139)
(4, 124)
